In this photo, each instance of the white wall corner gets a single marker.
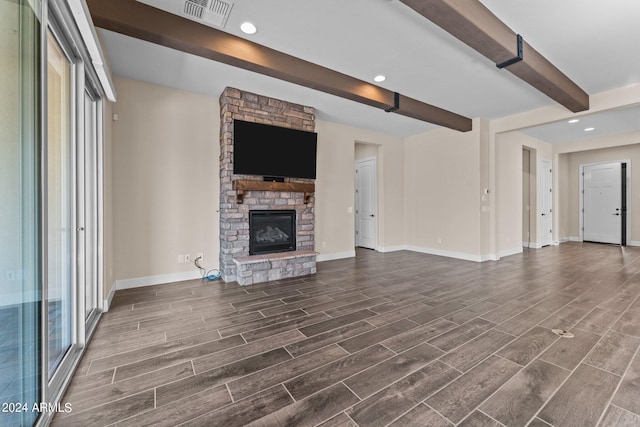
(512, 251)
(109, 298)
(575, 239)
(139, 282)
(335, 255)
(448, 254)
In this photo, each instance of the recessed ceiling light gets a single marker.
(248, 28)
(574, 120)
(379, 78)
(589, 129)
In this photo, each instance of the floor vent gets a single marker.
(210, 12)
(562, 333)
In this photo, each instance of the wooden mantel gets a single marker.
(242, 185)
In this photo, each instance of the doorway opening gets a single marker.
(366, 196)
(604, 188)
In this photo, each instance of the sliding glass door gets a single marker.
(60, 204)
(20, 279)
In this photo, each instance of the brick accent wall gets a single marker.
(235, 262)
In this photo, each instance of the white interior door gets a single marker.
(602, 211)
(366, 219)
(545, 197)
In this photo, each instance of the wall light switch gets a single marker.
(187, 258)
(349, 209)
(180, 259)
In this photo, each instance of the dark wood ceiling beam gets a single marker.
(135, 19)
(475, 25)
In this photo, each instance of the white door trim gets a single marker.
(544, 237)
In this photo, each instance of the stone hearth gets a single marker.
(235, 261)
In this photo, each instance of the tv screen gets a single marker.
(274, 151)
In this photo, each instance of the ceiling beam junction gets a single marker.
(475, 25)
(138, 20)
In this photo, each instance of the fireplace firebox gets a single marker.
(272, 231)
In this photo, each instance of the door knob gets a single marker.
(372, 215)
(616, 214)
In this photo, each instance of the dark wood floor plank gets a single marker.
(461, 334)
(336, 322)
(215, 360)
(288, 325)
(515, 403)
(524, 349)
(319, 378)
(317, 341)
(109, 413)
(283, 372)
(389, 371)
(118, 390)
(150, 364)
(399, 313)
(462, 396)
(569, 352)
(597, 321)
(473, 352)
(617, 417)
(244, 411)
(214, 377)
(418, 335)
(260, 323)
(629, 324)
(436, 312)
(524, 321)
(506, 311)
(181, 410)
(376, 335)
(421, 415)
(628, 394)
(393, 401)
(582, 398)
(478, 419)
(305, 302)
(312, 410)
(565, 318)
(613, 353)
(340, 420)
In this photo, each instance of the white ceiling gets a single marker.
(593, 42)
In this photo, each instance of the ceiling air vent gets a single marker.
(211, 12)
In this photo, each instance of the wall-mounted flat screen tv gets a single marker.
(273, 151)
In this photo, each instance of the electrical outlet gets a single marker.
(187, 258)
(200, 255)
(180, 259)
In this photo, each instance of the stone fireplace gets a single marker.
(272, 251)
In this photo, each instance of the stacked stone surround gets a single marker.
(235, 262)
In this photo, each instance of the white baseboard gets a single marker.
(512, 251)
(633, 243)
(109, 298)
(139, 282)
(335, 255)
(392, 248)
(526, 244)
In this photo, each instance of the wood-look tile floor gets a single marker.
(400, 339)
